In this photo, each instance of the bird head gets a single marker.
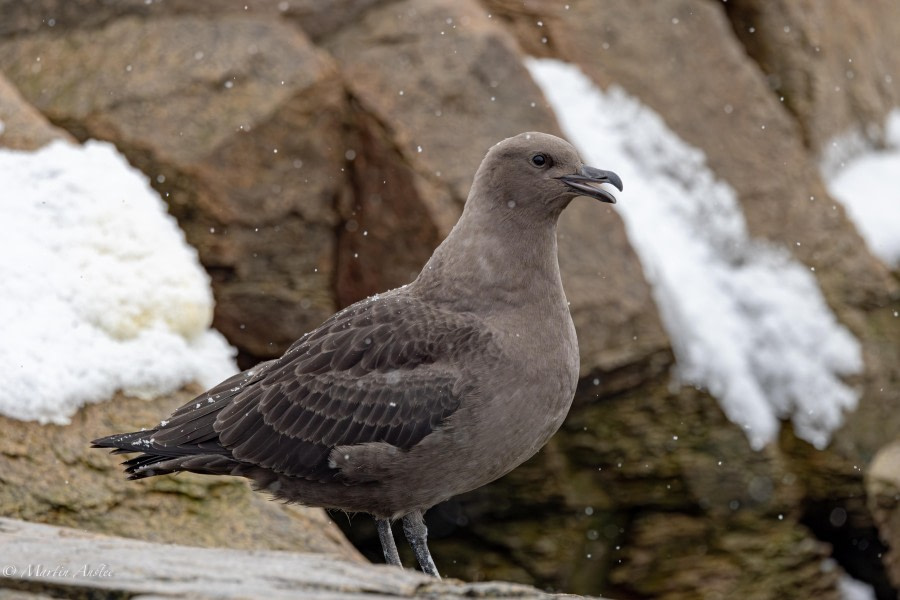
(539, 173)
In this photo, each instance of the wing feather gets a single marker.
(379, 371)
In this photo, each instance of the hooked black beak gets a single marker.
(587, 182)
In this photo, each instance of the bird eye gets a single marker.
(539, 160)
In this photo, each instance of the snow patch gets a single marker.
(869, 188)
(101, 291)
(746, 321)
(854, 589)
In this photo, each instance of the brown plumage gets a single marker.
(407, 398)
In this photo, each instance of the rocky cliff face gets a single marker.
(315, 154)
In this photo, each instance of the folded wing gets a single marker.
(383, 370)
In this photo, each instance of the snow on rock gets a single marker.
(854, 589)
(101, 291)
(869, 188)
(747, 322)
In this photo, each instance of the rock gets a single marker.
(33, 16)
(22, 127)
(60, 562)
(51, 475)
(883, 492)
(426, 86)
(833, 84)
(388, 230)
(744, 561)
(320, 20)
(237, 123)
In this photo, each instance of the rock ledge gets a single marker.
(43, 561)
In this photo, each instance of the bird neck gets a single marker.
(493, 259)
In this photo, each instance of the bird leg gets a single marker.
(417, 534)
(388, 546)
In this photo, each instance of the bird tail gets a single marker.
(135, 441)
(154, 459)
(122, 443)
(187, 440)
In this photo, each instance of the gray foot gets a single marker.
(388, 546)
(417, 534)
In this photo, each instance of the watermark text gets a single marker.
(56, 571)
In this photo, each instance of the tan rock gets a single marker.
(388, 232)
(23, 127)
(321, 19)
(883, 496)
(51, 475)
(34, 16)
(834, 63)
